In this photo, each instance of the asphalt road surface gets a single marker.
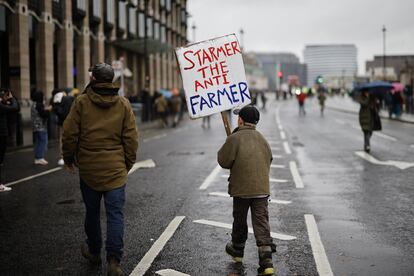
(333, 210)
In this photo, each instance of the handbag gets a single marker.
(376, 121)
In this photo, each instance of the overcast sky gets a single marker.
(289, 25)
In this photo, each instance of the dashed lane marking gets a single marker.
(274, 142)
(210, 178)
(412, 146)
(283, 135)
(170, 272)
(145, 164)
(287, 148)
(33, 176)
(296, 176)
(278, 236)
(280, 127)
(321, 260)
(275, 149)
(399, 164)
(155, 137)
(156, 248)
(275, 201)
(277, 156)
(274, 166)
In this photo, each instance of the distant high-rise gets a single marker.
(331, 60)
(288, 63)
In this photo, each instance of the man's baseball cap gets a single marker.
(249, 114)
(102, 72)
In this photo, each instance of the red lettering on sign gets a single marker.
(223, 66)
(235, 45)
(197, 85)
(188, 59)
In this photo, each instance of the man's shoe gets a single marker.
(265, 261)
(86, 253)
(61, 162)
(236, 251)
(114, 269)
(40, 162)
(4, 188)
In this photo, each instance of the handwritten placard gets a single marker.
(213, 76)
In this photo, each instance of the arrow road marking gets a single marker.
(296, 176)
(287, 148)
(145, 164)
(156, 248)
(399, 164)
(210, 178)
(275, 201)
(170, 272)
(321, 260)
(278, 236)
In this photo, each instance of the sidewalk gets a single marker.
(19, 161)
(346, 104)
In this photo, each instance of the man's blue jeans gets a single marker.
(114, 205)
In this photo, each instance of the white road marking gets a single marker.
(385, 136)
(296, 176)
(275, 149)
(399, 164)
(170, 272)
(156, 248)
(145, 164)
(287, 148)
(277, 116)
(283, 135)
(274, 166)
(412, 146)
(274, 180)
(321, 260)
(33, 176)
(275, 201)
(280, 127)
(340, 122)
(278, 236)
(274, 142)
(210, 178)
(155, 137)
(277, 156)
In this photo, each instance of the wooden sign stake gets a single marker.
(226, 122)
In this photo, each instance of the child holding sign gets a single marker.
(248, 156)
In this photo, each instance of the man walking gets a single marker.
(100, 138)
(248, 156)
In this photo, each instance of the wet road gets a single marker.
(363, 211)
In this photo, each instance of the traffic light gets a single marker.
(280, 74)
(319, 80)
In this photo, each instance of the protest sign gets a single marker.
(213, 76)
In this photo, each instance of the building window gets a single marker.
(156, 30)
(96, 8)
(109, 11)
(149, 27)
(163, 34)
(81, 5)
(132, 21)
(141, 25)
(122, 15)
(168, 5)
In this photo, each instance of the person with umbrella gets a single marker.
(369, 119)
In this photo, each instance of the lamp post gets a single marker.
(194, 31)
(242, 39)
(384, 30)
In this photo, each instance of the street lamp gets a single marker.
(194, 31)
(241, 39)
(384, 30)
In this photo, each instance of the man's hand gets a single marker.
(70, 168)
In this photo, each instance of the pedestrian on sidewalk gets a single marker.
(40, 115)
(369, 119)
(161, 107)
(61, 103)
(175, 106)
(100, 137)
(248, 156)
(322, 99)
(8, 104)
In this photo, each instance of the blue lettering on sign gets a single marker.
(238, 92)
